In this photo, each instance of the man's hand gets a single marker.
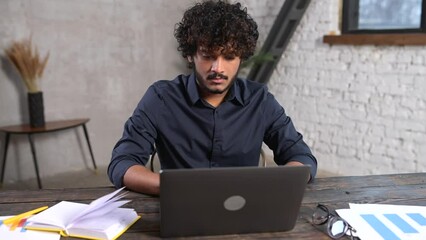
(294, 163)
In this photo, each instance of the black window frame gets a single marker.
(350, 14)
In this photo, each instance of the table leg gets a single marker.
(35, 160)
(88, 144)
(6, 145)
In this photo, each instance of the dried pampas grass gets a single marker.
(27, 61)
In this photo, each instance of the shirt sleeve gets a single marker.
(282, 138)
(138, 139)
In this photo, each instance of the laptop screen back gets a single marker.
(230, 200)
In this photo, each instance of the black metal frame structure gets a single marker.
(278, 38)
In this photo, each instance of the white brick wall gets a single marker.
(362, 109)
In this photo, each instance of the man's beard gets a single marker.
(201, 82)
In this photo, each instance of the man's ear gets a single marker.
(190, 62)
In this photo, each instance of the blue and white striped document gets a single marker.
(385, 221)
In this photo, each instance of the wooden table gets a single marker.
(51, 126)
(335, 192)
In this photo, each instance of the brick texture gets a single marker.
(362, 109)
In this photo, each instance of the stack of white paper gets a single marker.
(21, 233)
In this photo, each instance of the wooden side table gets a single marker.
(51, 126)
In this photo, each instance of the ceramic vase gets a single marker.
(36, 109)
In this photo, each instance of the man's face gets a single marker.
(216, 71)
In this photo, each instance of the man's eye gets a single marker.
(207, 56)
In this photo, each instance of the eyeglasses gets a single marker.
(336, 227)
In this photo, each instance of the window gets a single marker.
(383, 16)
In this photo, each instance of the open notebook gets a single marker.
(103, 218)
(230, 200)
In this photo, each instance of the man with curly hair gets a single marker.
(210, 118)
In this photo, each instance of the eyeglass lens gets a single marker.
(336, 227)
(321, 215)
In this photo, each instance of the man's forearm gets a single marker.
(140, 179)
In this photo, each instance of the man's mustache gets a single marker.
(216, 75)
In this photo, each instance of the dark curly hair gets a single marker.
(217, 24)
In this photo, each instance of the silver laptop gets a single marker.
(230, 200)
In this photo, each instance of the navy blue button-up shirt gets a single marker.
(189, 133)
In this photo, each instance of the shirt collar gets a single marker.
(235, 92)
(192, 89)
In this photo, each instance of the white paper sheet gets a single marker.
(388, 222)
(22, 234)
